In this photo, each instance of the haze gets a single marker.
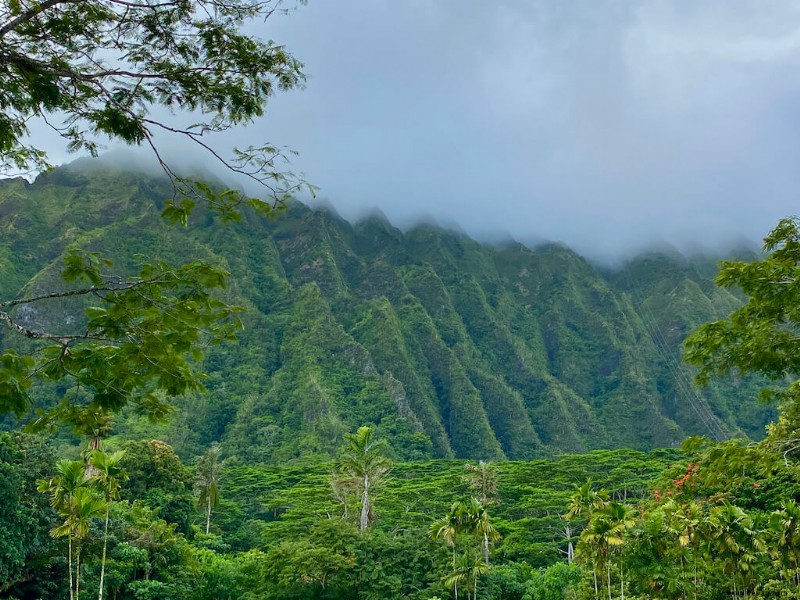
(608, 125)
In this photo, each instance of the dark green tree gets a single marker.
(26, 549)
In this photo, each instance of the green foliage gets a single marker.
(108, 63)
(137, 345)
(556, 582)
(761, 336)
(25, 516)
(443, 346)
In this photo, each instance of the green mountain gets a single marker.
(449, 347)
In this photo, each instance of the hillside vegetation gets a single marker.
(450, 348)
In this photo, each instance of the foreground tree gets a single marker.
(103, 67)
(138, 343)
(108, 63)
(761, 336)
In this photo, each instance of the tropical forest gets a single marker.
(213, 386)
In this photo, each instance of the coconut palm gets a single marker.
(364, 463)
(109, 474)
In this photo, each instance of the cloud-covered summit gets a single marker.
(606, 124)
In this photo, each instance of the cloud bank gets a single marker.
(607, 125)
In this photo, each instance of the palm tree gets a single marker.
(605, 532)
(731, 534)
(85, 505)
(364, 463)
(447, 529)
(785, 525)
(683, 522)
(585, 501)
(467, 569)
(206, 486)
(70, 476)
(109, 474)
(477, 520)
(582, 504)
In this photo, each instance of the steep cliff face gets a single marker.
(450, 347)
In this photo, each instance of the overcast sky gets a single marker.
(604, 124)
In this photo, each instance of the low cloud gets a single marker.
(607, 125)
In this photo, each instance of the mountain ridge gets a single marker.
(448, 346)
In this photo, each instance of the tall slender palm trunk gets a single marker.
(71, 584)
(365, 506)
(78, 573)
(103, 559)
(208, 514)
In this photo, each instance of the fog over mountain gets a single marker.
(607, 125)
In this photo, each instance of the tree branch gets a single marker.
(122, 287)
(31, 13)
